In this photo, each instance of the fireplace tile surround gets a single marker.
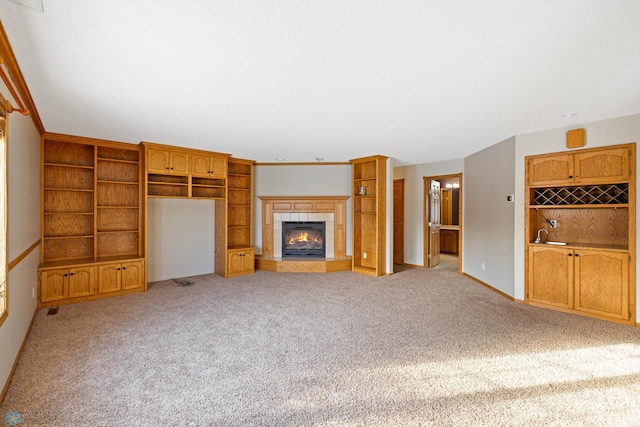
(328, 219)
(330, 209)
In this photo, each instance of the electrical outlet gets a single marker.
(33, 292)
(482, 265)
(553, 223)
(364, 255)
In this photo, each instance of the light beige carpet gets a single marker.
(421, 347)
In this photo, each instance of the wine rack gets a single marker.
(614, 194)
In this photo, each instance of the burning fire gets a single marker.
(303, 237)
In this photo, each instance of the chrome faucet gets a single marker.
(538, 239)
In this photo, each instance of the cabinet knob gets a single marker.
(124, 268)
(570, 255)
(71, 274)
(66, 274)
(118, 268)
(577, 254)
(570, 176)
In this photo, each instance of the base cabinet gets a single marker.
(594, 282)
(120, 277)
(551, 276)
(602, 283)
(68, 285)
(240, 261)
(449, 241)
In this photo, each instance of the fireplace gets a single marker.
(303, 239)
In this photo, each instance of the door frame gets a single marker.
(425, 228)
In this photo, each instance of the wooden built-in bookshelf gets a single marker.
(369, 215)
(91, 214)
(234, 222)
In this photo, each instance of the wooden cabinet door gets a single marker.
(179, 162)
(109, 278)
(132, 275)
(218, 167)
(208, 167)
(551, 276)
(602, 283)
(82, 282)
(235, 262)
(546, 170)
(53, 285)
(240, 261)
(158, 161)
(603, 165)
(248, 261)
(200, 165)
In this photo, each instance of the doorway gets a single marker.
(442, 210)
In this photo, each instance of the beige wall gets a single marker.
(487, 239)
(24, 231)
(181, 238)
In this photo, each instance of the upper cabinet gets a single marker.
(606, 165)
(602, 165)
(181, 172)
(208, 166)
(167, 161)
(544, 170)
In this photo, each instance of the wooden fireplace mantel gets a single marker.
(335, 205)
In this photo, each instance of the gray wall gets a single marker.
(620, 130)
(24, 231)
(181, 238)
(488, 225)
(413, 204)
(300, 180)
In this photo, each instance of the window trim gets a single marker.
(4, 265)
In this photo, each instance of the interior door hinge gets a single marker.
(429, 256)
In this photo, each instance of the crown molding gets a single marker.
(6, 52)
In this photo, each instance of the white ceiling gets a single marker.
(417, 80)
